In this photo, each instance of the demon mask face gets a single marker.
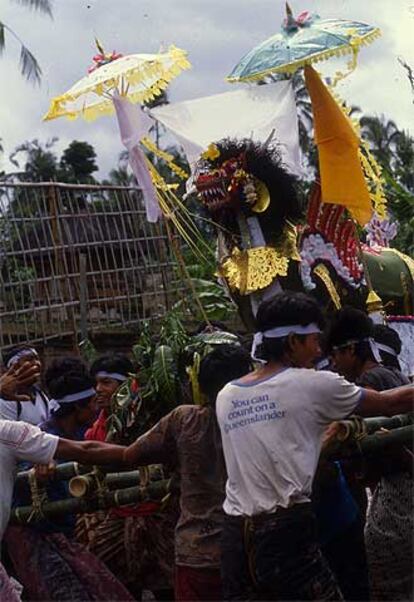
(229, 185)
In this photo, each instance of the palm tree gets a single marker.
(382, 136)
(410, 72)
(29, 67)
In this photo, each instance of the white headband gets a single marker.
(18, 356)
(113, 375)
(374, 346)
(56, 404)
(279, 333)
(387, 349)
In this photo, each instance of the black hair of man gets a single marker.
(222, 365)
(285, 309)
(112, 362)
(7, 355)
(62, 365)
(351, 326)
(388, 336)
(68, 384)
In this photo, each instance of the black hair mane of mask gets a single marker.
(265, 163)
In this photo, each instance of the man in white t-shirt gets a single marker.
(22, 441)
(272, 423)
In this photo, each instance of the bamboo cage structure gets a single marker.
(76, 259)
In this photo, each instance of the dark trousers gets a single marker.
(347, 558)
(277, 556)
(197, 584)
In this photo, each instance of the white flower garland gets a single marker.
(313, 249)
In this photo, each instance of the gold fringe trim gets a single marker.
(375, 181)
(167, 157)
(175, 211)
(134, 76)
(352, 47)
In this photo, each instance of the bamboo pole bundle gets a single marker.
(105, 499)
(85, 484)
(371, 445)
(357, 427)
(63, 472)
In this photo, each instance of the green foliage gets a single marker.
(163, 356)
(401, 207)
(158, 357)
(78, 163)
(40, 161)
(394, 151)
(165, 369)
(88, 351)
(216, 304)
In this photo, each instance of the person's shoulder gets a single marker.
(311, 375)
(322, 381)
(381, 378)
(14, 433)
(190, 410)
(184, 411)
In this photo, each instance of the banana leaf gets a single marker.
(164, 373)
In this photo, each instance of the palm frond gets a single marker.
(2, 37)
(43, 6)
(29, 66)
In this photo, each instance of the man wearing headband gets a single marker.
(389, 345)
(36, 409)
(272, 423)
(356, 354)
(20, 441)
(108, 372)
(389, 522)
(72, 408)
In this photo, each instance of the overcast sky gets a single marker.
(216, 34)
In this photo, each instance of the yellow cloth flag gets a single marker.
(342, 177)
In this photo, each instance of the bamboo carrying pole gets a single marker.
(381, 440)
(88, 483)
(354, 427)
(105, 499)
(370, 445)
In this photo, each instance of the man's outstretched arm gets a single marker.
(90, 452)
(387, 403)
(155, 446)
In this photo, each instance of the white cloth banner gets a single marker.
(134, 125)
(252, 112)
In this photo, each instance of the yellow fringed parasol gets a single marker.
(304, 40)
(138, 77)
(112, 85)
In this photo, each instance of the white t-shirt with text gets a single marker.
(272, 434)
(20, 441)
